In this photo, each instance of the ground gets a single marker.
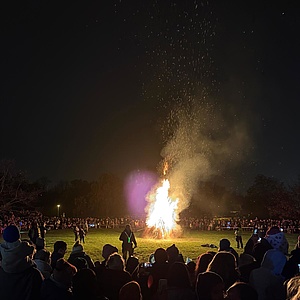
(189, 244)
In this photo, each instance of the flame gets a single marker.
(162, 212)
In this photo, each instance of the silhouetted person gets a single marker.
(19, 278)
(128, 240)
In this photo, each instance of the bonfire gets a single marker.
(162, 212)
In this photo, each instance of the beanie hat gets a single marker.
(107, 250)
(77, 247)
(11, 234)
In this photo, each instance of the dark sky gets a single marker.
(89, 87)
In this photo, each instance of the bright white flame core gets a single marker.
(162, 212)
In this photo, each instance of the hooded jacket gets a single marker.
(15, 256)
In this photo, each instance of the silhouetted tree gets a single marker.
(16, 192)
(268, 197)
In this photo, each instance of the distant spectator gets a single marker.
(33, 232)
(60, 249)
(238, 236)
(42, 260)
(209, 286)
(128, 242)
(19, 278)
(81, 235)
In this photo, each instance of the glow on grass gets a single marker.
(162, 212)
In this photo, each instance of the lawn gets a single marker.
(189, 244)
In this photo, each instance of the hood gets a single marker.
(274, 260)
(15, 256)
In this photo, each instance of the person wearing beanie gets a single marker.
(77, 252)
(16, 254)
(19, 277)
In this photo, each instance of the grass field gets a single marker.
(189, 245)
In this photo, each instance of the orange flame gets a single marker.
(162, 213)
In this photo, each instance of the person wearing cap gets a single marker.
(19, 277)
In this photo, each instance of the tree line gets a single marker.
(266, 198)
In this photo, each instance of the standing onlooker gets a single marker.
(33, 232)
(238, 236)
(128, 240)
(76, 233)
(81, 234)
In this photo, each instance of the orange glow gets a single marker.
(162, 211)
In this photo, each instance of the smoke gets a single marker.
(202, 144)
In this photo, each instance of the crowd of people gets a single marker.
(24, 221)
(265, 270)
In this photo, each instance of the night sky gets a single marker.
(212, 87)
